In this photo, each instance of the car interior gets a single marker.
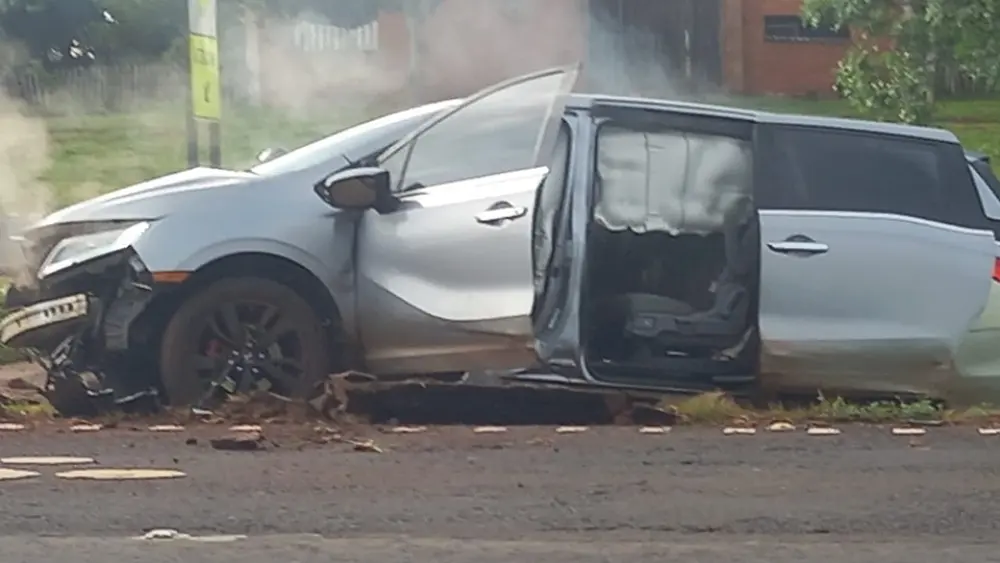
(673, 258)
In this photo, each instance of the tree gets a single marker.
(902, 46)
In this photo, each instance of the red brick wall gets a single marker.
(755, 66)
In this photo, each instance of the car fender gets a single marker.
(257, 245)
(321, 243)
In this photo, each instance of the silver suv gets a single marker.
(583, 239)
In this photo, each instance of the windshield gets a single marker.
(379, 133)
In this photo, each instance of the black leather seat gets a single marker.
(660, 323)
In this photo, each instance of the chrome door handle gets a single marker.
(497, 214)
(798, 247)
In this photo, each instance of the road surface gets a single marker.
(449, 495)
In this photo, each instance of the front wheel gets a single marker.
(241, 334)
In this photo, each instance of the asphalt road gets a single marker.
(449, 495)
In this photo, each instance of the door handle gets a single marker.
(505, 213)
(798, 245)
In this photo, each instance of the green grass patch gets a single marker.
(94, 154)
(27, 410)
(719, 408)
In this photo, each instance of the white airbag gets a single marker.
(672, 181)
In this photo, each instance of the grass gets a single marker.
(719, 408)
(93, 154)
(27, 410)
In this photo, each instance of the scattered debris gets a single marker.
(11, 427)
(909, 431)
(191, 442)
(166, 428)
(822, 431)
(989, 431)
(409, 429)
(654, 429)
(163, 534)
(781, 426)
(16, 474)
(489, 429)
(86, 428)
(245, 442)
(171, 534)
(651, 415)
(571, 429)
(739, 431)
(46, 460)
(925, 422)
(366, 446)
(121, 474)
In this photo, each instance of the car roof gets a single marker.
(587, 101)
(761, 116)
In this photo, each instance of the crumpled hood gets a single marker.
(152, 198)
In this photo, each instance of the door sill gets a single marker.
(693, 374)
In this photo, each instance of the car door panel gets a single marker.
(445, 280)
(884, 307)
(439, 273)
(447, 276)
(876, 260)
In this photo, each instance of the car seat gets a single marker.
(657, 324)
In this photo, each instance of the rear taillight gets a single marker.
(996, 270)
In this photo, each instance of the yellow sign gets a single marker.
(206, 90)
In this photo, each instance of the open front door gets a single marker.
(445, 281)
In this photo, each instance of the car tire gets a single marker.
(199, 345)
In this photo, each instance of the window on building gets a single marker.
(792, 29)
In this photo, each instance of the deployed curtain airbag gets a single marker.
(673, 181)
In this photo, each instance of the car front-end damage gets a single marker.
(76, 312)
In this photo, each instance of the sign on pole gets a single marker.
(205, 100)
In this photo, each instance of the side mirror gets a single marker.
(358, 188)
(270, 154)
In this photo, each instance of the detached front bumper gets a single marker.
(47, 321)
(78, 325)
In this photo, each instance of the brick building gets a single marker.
(642, 46)
(767, 50)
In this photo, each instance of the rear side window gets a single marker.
(818, 169)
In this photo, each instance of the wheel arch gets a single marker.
(153, 321)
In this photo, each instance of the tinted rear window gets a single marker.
(833, 170)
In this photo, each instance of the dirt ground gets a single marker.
(21, 371)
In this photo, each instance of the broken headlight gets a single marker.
(76, 249)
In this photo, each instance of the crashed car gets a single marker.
(584, 239)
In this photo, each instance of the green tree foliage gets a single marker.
(148, 29)
(918, 38)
